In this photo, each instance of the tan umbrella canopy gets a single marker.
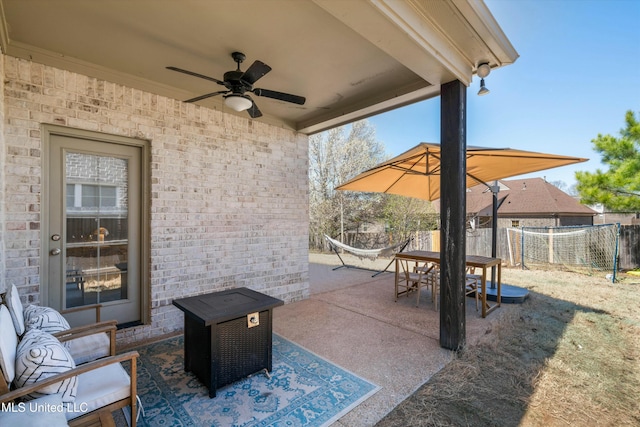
(416, 172)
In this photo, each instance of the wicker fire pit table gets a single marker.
(227, 335)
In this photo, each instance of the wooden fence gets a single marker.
(629, 247)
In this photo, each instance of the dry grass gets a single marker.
(570, 355)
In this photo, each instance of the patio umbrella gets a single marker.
(416, 172)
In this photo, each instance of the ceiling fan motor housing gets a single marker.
(234, 83)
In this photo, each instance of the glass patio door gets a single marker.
(94, 235)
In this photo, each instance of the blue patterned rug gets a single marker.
(304, 390)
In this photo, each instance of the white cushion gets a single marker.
(42, 412)
(15, 309)
(89, 348)
(40, 355)
(100, 387)
(8, 345)
(44, 318)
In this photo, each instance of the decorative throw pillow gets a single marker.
(44, 318)
(40, 355)
(15, 309)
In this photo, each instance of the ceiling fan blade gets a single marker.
(256, 71)
(208, 95)
(254, 111)
(295, 99)
(191, 73)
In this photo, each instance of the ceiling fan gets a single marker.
(239, 83)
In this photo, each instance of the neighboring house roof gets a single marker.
(532, 196)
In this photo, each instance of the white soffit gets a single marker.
(350, 58)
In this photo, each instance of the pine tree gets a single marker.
(618, 188)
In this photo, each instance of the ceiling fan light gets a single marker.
(237, 102)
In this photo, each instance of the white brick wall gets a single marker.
(229, 202)
(2, 181)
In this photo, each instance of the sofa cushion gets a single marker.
(8, 345)
(101, 387)
(41, 412)
(89, 348)
(44, 318)
(15, 309)
(40, 355)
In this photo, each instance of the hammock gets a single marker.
(371, 254)
(366, 253)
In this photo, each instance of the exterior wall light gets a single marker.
(483, 71)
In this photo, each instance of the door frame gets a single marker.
(48, 131)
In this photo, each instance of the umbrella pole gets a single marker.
(494, 230)
(495, 189)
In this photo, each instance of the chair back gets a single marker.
(12, 300)
(8, 347)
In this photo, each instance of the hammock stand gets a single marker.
(365, 253)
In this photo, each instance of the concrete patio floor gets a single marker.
(351, 319)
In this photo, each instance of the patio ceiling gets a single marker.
(350, 59)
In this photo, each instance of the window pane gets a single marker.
(71, 195)
(108, 197)
(97, 232)
(89, 196)
(96, 274)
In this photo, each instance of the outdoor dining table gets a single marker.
(475, 261)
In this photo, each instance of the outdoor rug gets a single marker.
(304, 390)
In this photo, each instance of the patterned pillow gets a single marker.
(44, 318)
(40, 355)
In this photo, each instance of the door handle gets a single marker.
(55, 251)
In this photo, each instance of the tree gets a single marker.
(618, 188)
(406, 215)
(336, 156)
(563, 186)
(559, 184)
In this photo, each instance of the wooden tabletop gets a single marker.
(432, 256)
(477, 261)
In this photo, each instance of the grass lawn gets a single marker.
(570, 356)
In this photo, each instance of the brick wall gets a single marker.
(544, 222)
(229, 203)
(2, 182)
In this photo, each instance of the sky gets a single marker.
(577, 75)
